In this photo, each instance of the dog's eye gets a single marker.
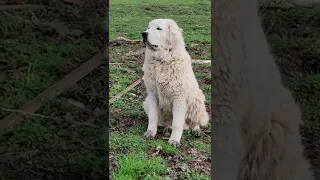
(159, 28)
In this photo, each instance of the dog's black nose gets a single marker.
(144, 34)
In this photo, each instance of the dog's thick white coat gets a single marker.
(262, 112)
(174, 97)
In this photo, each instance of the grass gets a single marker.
(37, 48)
(133, 157)
(135, 166)
(195, 21)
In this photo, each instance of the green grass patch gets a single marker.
(193, 17)
(137, 166)
(202, 147)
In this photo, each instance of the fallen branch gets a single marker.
(22, 6)
(24, 113)
(121, 40)
(201, 61)
(50, 93)
(125, 91)
(27, 113)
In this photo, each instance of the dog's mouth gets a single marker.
(148, 44)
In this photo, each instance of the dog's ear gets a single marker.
(174, 32)
(169, 35)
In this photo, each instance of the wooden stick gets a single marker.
(48, 117)
(30, 107)
(125, 91)
(27, 113)
(198, 61)
(122, 39)
(201, 61)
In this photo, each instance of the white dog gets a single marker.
(174, 98)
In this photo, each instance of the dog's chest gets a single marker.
(163, 79)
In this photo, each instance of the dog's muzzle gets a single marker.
(144, 35)
(145, 38)
(146, 42)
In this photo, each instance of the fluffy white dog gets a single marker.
(174, 97)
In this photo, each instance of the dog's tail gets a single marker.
(197, 112)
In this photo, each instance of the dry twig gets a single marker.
(122, 39)
(125, 90)
(50, 93)
(47, 117)
(201, 61)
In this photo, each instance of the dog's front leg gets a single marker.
(179, 111)
(153, 116)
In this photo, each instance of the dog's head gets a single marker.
(163, 34)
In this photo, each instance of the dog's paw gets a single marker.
(167, 131)
(196, 133)
(174, 143)
(149, 134)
